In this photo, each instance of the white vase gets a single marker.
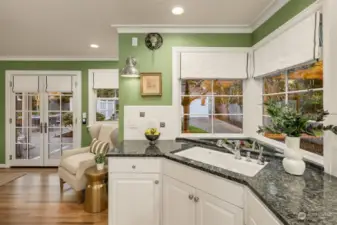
(293, 159)
(100, 166)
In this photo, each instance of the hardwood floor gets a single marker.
(35, 199)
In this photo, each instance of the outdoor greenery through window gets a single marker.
(211, 106)
(301, 88)
(107, 104)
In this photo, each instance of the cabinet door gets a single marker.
(214, 211)
(134, 199)
(178, 204)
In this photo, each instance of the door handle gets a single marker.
(41, 128)
(45, 127)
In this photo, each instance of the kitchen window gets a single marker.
(211, 106)
(301, 88)
(107, 104)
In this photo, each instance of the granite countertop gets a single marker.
(314, 193)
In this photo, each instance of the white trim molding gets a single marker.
(195, 29)
(56, 58)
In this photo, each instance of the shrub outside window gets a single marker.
(211, 106)
(301, 88)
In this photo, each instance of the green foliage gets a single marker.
(67, 119)
(100, 116)
(100, 158)
(286, 120)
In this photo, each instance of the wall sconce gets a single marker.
(130, 69)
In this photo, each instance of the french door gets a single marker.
(43, 122)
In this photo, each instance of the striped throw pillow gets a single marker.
(98, 146)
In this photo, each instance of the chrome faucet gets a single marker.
(260, 159)
(237, 150)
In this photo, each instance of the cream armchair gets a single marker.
(74, 162)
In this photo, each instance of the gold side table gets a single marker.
(96, 198)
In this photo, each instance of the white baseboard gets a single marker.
(4, 166)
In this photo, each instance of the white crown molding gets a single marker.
(210, 29)
(59, 58)
(268, 12)
(290, 23)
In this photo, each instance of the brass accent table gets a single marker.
(96, 198)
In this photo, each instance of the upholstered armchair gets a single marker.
(74, 162)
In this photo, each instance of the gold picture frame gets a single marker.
(150, 84)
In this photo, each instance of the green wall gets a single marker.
(161, 61)
(55, 65)
(288, 11)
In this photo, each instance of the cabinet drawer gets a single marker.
(134, 165)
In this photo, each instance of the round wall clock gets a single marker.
(153, 41)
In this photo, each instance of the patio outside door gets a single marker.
(43, 123)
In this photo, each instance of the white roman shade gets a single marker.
(61, 83)
(294, 46)
(106, 80)
(25, 83)
(214, 65)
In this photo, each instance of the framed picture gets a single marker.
(150, 84)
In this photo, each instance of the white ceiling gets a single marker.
(42, 29)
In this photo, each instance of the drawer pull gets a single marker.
(191, 197)
(196, 199)
(133, 167)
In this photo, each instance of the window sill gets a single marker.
(310, 157)
(103, 122)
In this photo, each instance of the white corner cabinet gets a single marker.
(157, 191)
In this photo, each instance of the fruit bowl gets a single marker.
(152, 138)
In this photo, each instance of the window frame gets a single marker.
(92, 99)
(211, 114)
(280, 146)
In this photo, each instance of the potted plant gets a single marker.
(288, 121)
(100, 160)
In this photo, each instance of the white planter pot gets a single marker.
(293, 159)
(100, 166)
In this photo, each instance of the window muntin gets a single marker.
(301, 88)
(107, 104)
(211, 106)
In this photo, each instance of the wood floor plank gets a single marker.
(35, 199)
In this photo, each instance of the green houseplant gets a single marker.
(100, 160)
(292, 123)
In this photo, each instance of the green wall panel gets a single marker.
(161, 61)
(48, 65)
(288, 11)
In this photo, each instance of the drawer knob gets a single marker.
(190, 196)
(133, 167)
(196, 199)
(156, 182)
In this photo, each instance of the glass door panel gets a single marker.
(60, 125)
(27, 129)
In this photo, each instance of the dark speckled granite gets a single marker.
(314, 193)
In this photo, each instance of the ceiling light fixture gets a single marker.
(177, 10)
(94, 46)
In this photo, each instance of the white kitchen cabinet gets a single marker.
(178, 204)
(257, 213)
(186, 205)
(134, 198)
(214, 211)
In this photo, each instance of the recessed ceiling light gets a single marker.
(177, 10)
(94, 46)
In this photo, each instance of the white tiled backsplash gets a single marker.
(135, 126)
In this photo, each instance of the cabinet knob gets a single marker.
(156, 181)
(133, 167)
(196, 199)
(190, 196)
